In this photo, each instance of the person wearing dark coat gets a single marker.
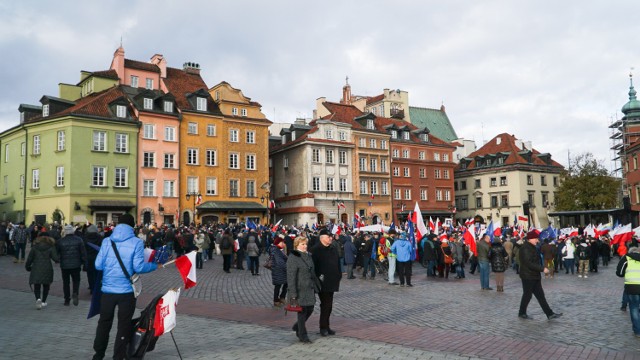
(73, 256)
(429, 253)
(530, 269)
(327, 265)
(304, 285)
(279, 271)
(92, 237)
(38, 263)
(349, 256)
(498, 258)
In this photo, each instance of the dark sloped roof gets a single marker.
(181, 84)
(435, 120)
(107, 74)
(375, 99)
(139, 65)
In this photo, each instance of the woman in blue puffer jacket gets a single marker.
(402, 248)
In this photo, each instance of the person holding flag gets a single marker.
(121, 247)
(402, 248)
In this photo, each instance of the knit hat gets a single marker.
(92, 229)
(127, 219)
(532, 235)
(69, 229)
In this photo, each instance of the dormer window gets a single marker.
(500, 160)
(201, 104)
(370, 125)
(394, 134)
(328, 134)
(147, 104)
(293, 135)
(168, 106)
(284, 139)
(121, 111)
(487, 162)
(405, 135)
(45, 110)
(424, 137)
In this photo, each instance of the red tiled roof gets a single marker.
(139, 65)
(508, 145)
(180, 83)
(375, 99)
(108, 74)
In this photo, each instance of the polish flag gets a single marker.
(341, 205)
(497, 229)
(165, 319)
(470, 240)
(421, 229)
(523, 218)
(186, 265)
(199, 200)
(432, 225)
(337, 230)
(589, 230)
(622, 235)
(149, 255)
(275, 227)
(272, 204)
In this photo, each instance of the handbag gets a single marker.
(136, 283)
(269, 263)
(293, 306)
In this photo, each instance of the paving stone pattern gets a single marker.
(434, 319)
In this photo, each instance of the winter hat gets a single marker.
(532, 235)
(69, 229)
(92, 229)
(127, 219)
(324, 231)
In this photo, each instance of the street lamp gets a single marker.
(196, 195)
(452, 209)
(401, 206)
(338, 201)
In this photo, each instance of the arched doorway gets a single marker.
(320, 218)
(146, 218)
(344, 218)
(186, 218)
(375, 219)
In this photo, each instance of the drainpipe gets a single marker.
(26, 156)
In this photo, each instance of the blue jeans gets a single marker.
(569, 264)
(341, 264)
(625, 299)
(20, 247)
(484, 274)
(367, 263)
(460, 270)
(634, 312)
(431, 264)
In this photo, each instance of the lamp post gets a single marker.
(452, 209)
(262, 199)
(196, 195)
(401, 206)
(338, 201)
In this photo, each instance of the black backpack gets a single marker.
(143, 338)
(226, 243)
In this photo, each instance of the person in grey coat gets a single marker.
(253, 251)
(304, 284)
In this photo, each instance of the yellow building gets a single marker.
(243, 160)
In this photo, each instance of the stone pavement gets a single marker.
(436, 318)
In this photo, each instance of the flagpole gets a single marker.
(174, 260)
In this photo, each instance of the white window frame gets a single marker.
(436, 174)
(169, 133)
(396, 171)
(421, 155)
(362, 142)
(407, 194)
(211, 130)
(250, 162)
(250, 137)
(395, 153)
(232, 188)
(342, 158)
(147, 103)
(383, 144)
(423, 194)
(234, 111)
(373, 164)
(45, 110)
(315, 155)
(148, 159)
(36, 144)
(192, 156)
(406, 172)
(373, 187)
(243, 112)
(383, 165)
(363, 187)
(362, 164)
(211, 154)
(149, 84)
(405, 135)
(234, 135)
(121, 111)
(396, 194)
(438, 195)
(168, 106)
(59, 176)
(211, 186)
(315, 184)
(98, 176)
(192, 128)
(405, 153)
(149, 187)
(329, 156)
(370, 124)
(169, 161)
(169, 188)
(121, 176)
(384, 187)
(234, 160)
(343, 185)
(250, 188)
(201, 103)
(436, 156)
(373, 143)
(149, 131)
(330, 183)
(122, 143)
(193, 184)
(342, 136)
(134, 81)
(35, 179)
(99, 144)
(328, 134)
(61, 140)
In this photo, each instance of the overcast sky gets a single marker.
(552, 72)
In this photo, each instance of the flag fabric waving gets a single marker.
(421, 229)
(251, 225)
(272, 204)
(470, 240)
(186, 265)
(275, 227)
(199, 200)
(165, 319)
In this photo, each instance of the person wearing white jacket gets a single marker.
(568, 257)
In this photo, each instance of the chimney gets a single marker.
(117, 63)
(519, 144)
(300, 121)
(159, 61)
(346, 94)
(191, 68)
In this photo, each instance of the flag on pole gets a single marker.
(432, 225)
(392, 226)
(165, 319)
(186, 265)
(199, 200)
(341, 205)
(523, 218)
(251, 225)
(272, 204)
(470, 240)
(275, 227)
(336, 230)
(421, 229)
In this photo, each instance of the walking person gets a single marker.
(349, 256)
(279, 271)
(458, 256)
(327, 265)
(21, 235)
(629, 268)
(199, 244)
(226, 249)
(73, 256)
(116, 287)
(402, 249)
(304, 285)
(483, 261)
(253, 252)
(38, 263)
(583, 252)
(530, 269)
(499, 259)
(92, 237)
(548, 250)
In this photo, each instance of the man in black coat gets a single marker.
(73, 256)
(327, 265)
(530, 269)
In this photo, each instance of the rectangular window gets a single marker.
(211, 130)
(555, 181)
(531, 197)
(330, 184)
(201, 104)
(424, 137)
(363, 164)
(243, 112)
(396, 171)
(436, 173)
(407, 194)
(494, 201)
(192, 128)
(120, 177)
(21, 181)
(149, 84)
(396, 153)
(421, 155)
(394, 134)
(362, 142)
(445, 173)
(493, 182)
(405, 172)
(234, 111)
(234, 161)
(169, 133)
(423, 173)
(233, 135)
(193, 184)
(251, 162)
(315, 155)
(169, 161)
(149, 131)
(343, 158)
(168, 106)
(383, 165)
(385, 188)
(99, 141)
(211, 157)
(45, 110)
(168, 188)
(363, 186)
(423, 194)
(545, 199)
(121, 111)
(134, 81)
(251, 137)
(315, 184)
(504, 200)
(372, 143)
(478, 203)
(503, 180)
(383, 144)
(122, 143)
(285, 162)
(342, 135)
(147, 104)
(436, 156)
(98, 177)
(477, 183)
(251, 188)
(373, 187)
(61, 140)
(529, 179)
(328, 134)
(343, 185)
(370, 125)
(23, 149)
(543, 180)
(192, 156)
(60, 176)
(445, 157)
(329, 156)
(286, 189)
(373, 164)
(447, 195)
(438, 195)
(396, 194)
(463, 185)
(35, 179)
(148, 159)
(36, 144)
(234, 188)
(148, 188)
(405, 154)
(212, 184)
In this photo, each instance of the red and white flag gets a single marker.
(523, 218)
(186, 265)
(470, 240)
(621, 236)
(149, 255)
(275, 227)
(272, 204)
(341, 205)
(432, 225)
(421, 229)
(199, 200)
(336, 230)
(165, 319)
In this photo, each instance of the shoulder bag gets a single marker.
(136, 283)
